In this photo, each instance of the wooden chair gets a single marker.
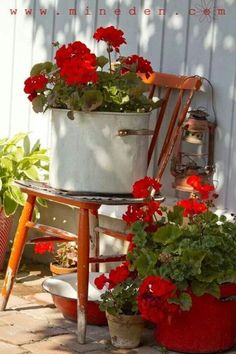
(88, 229)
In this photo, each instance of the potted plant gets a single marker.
(185, 257)
(108, 113)
(64, 256)
(120, 303)
(18, 161)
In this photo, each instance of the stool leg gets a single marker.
(82, 273)
(16, 252)
(94, 238)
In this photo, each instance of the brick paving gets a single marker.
(32, 325)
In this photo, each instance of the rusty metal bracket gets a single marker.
(127, 132)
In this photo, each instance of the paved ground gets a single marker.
(32, 325)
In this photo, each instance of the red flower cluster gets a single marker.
(140, 64)
(77, 64)
(141, 188)
(153, 296)
(35, 84)
(192, 206)
(116, 276)
(111, 35)
(143, 211)
(43, 247)
(203, 189)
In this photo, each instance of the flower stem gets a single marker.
(109, 57)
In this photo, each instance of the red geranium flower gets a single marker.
(119, 274)
(111, 35)
(192, 206)
(77, 64)
(137, 64)
(35, 84)
(43, 247)
(153, 296)
(142, 187)
(203, 189)
(101, 281)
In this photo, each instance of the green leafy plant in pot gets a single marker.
(120, 303)
(18, 161)
(185, 257)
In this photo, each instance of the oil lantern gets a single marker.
(194, 150)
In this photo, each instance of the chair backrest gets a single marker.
(185, 87)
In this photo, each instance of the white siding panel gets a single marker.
(22, 60)
(7, 33)
(39, 124)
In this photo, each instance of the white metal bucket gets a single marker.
(89, 155)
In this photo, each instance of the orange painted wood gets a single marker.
(52, 231)
(82, 273)
(173, 81)
(17, 250)
(157, 128)
(68, 200)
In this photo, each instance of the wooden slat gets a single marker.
(174, 81)
(112, 233)
(107, 259)
(52, 231)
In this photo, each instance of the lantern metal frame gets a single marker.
(197, 130)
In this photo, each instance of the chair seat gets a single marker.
(121, 199)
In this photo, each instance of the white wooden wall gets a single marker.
(175, 42)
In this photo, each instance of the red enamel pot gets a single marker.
(63, 289)
(209, 326)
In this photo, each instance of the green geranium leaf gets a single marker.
(167, 234)
(0, 184)
(38, 103)
(36, 69)
(176, 215)
(102, 61)
(184, 301)
(91, 100)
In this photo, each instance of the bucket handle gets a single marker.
(228, 298)
(127, 132)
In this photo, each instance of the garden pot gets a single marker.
(209, 326)
(5, 228)
(57, 270)
(98, 152)
(125, 331)
(63, 289)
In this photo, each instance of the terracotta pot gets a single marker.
(209, 326)
(125, 331)
(5, 228)
(57, 270)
